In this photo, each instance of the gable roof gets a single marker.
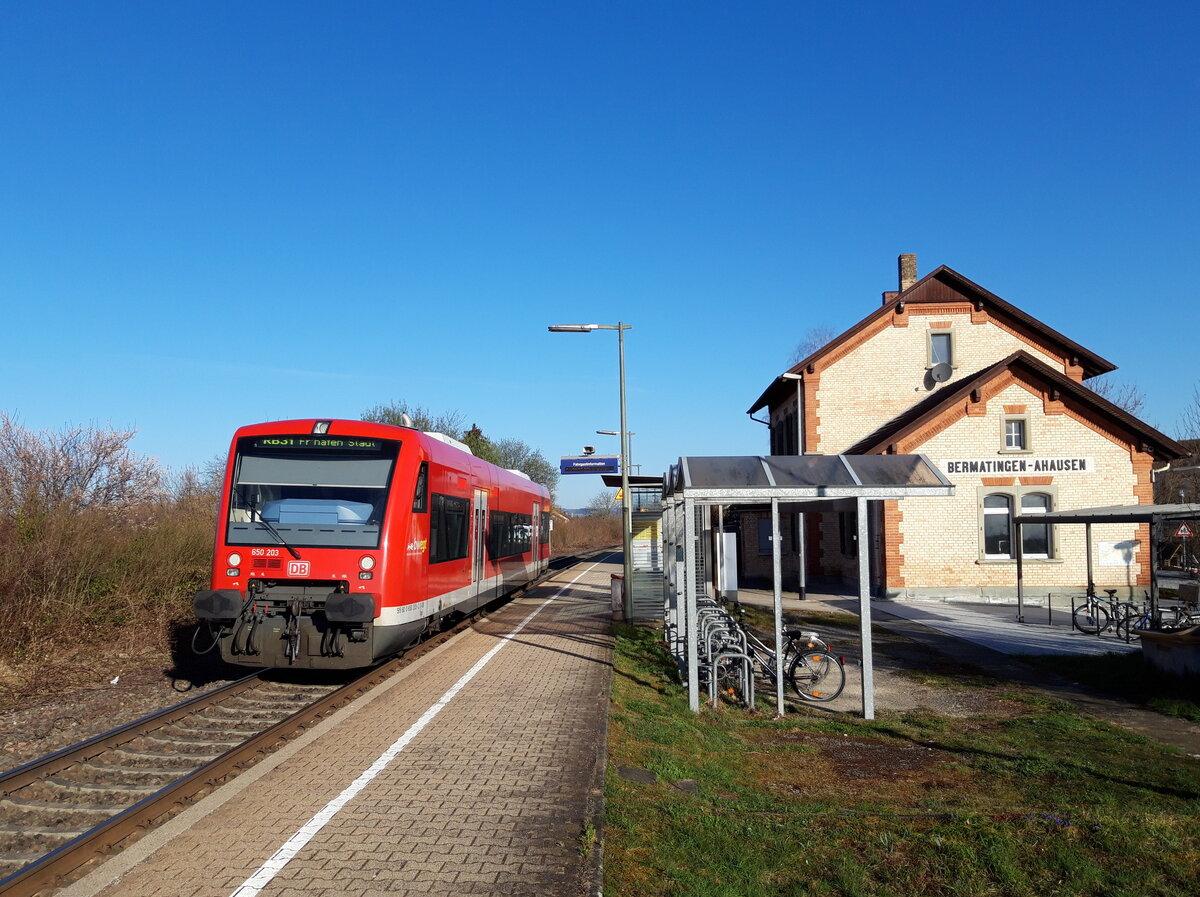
(940, 286)
(937, 403)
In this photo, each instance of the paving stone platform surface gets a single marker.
(493, 794)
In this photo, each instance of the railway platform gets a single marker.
(478, 769)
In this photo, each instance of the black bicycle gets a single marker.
(813, 672)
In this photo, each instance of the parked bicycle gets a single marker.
(812, 670)
(1177, 616)
(1096, 614)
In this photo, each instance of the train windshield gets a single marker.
(310, 491)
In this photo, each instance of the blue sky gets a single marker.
(220, 213)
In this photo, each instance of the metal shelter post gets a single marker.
(720, 577)
(1020, 577)
(801, 558)
(777, 576)
(864, 612)
(671, 611)
(1153, 570)
(693, 639)
(1087, 533)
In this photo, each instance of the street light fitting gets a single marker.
(614, 432)
(626, 503)
(588, 328)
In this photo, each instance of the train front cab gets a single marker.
(300, 554)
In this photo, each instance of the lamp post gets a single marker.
(626, 504)
(632, 466)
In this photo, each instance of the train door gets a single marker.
(479, 540)
(535, 538)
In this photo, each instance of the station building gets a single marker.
(994, 398)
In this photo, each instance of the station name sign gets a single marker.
(590, 464)
(984, 466)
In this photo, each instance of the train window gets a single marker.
(509, 534)
(544, 532)
(307, 492)
(449, 533)
(421, 494)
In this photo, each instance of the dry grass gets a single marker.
(99, 554)
(585, 533)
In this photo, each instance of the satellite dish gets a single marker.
(940, 372)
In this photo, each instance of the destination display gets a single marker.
(309, 443)
(985, 466)
(590, 464)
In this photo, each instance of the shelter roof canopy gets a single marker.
(761, 478)
(1116, 514)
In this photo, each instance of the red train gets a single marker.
(342, 542)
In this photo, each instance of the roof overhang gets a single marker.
(804, 481)
(1116, 514)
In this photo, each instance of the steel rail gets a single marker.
(63, 864)
(21, 776)
(56, 867)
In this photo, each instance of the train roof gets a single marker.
(434, 443)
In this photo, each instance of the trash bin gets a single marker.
(617, 585)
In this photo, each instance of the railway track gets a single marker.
(60, 813)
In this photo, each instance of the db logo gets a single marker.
(297, 568)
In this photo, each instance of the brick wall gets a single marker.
(886, 374)
(940, 539)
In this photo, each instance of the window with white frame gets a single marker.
(999, 530)
(1035, 537)
(1016, 434)
(940, 346)
(997, 525)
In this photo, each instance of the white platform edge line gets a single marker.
(277, 861)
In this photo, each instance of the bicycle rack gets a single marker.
(721, 643)
(747, 676)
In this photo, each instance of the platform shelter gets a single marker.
(645, 543)
(1155, 515)
(698, 491)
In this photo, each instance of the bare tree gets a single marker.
(510, 453)
(449, 423)
(1181, 483)
(814, 339)
(1120, 393)
(517, 455)
(604, 503)
(1189, 423)
(82, 468)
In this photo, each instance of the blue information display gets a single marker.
(590, 464)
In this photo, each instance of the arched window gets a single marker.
(997, 526)
(1035, 537)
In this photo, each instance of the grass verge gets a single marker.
(1029, 800)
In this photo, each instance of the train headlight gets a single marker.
(366, 562)
(234, 559)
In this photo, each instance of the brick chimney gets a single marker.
(908, 270)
